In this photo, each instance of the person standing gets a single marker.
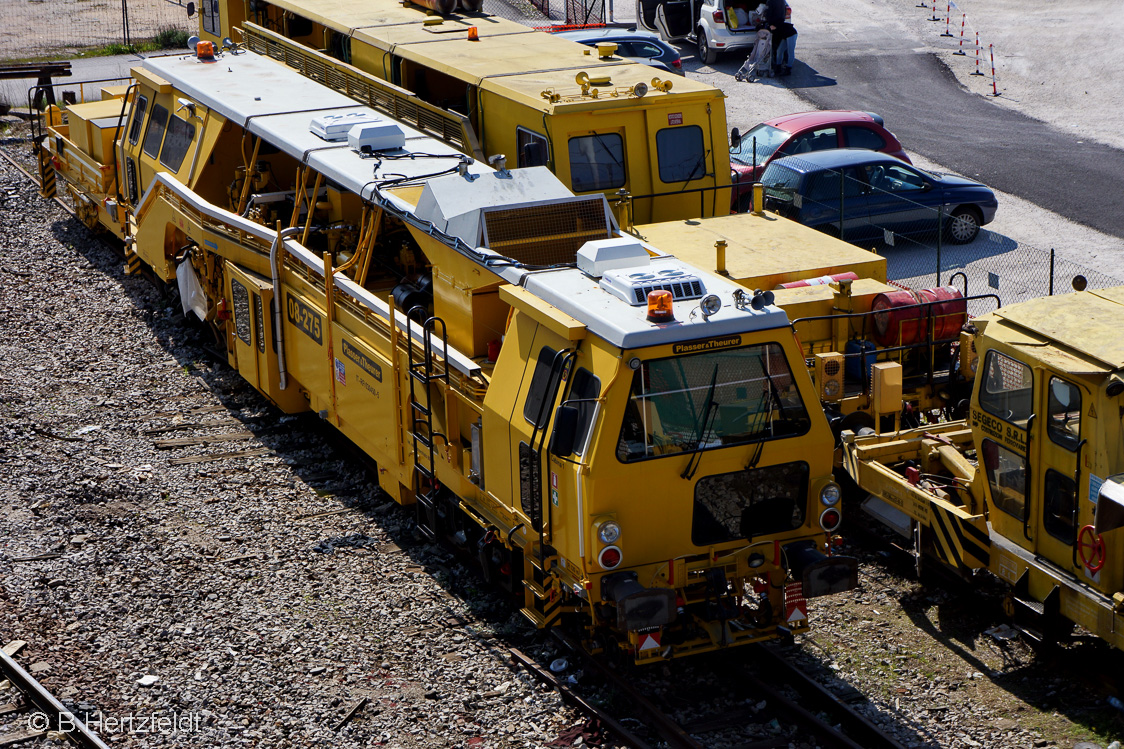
(784, 36)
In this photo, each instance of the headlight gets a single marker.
(609, 532)
(830, 494)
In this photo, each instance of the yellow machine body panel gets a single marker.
(762, 251)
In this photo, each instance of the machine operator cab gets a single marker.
(1048, 435)
(674, 458)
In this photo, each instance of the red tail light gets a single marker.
(719, 17)
(609, 558)
(677, 63)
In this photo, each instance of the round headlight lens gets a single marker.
(609, 532)
(830, 494)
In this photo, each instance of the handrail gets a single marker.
(394, 101)
(165, 181)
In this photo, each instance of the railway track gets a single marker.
(37, 713)
(820, 714)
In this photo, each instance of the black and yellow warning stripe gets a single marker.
(959, 543)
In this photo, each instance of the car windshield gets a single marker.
(709, 400)
(769, 139)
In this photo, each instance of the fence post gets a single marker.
(1051, 271)
(940, 232)
(841, 192)
(125, 23)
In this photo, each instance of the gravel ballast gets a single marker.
(265, 595)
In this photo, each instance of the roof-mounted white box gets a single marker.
(600, 255)
(376, 136)
(334, 127)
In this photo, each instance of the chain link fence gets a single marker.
(61, 29)
(927, 228)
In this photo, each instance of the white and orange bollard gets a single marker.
(947, 19)
(994, 90)
(963, 21)
(977, 72)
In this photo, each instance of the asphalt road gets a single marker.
(933, 115)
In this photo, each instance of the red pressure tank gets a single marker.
(819, 281)
(895, 326)
(441, 7)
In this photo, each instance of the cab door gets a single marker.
(682, 166)
(1059, 447)
(546, 362)
(1001, 415)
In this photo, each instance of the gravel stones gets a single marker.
(266, 627)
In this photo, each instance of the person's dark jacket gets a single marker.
(774, 13)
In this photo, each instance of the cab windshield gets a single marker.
(710, 400)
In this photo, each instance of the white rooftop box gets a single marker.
(376, 136)
(601, 255)
(335, 127)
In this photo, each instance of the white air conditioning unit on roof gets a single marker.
(634, 284)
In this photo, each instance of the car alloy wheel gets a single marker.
(706, 55)
(963, 225)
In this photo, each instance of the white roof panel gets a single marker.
(279, 104)
(580, 297)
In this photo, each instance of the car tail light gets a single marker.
(609, 557)
(677, 63)
(719, 17)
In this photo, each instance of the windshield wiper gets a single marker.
(703, 428)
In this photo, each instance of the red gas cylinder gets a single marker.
(819, 281)
(895, 326)
(442, 7)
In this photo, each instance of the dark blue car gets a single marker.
(879, 193)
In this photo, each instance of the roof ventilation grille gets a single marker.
(634, 284)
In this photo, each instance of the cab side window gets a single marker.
(596, 162)
(1006, 477)
(586, 388)
(681, 153)
(532, 148)
(180, 135)
(1060, 503)
(1063, 419)
(138, 119)
(536, 409)
(1006, 388)
(154, 136)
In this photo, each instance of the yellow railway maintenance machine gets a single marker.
(493, 86)
(1031, 485)
(627, 443)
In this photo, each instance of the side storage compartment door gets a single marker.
(255, 344)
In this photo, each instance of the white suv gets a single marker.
(713, 25)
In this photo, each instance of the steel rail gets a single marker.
(43, 701)
(855, 730)
(572, 698)
(662, 722)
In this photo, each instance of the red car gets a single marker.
(794, 134)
